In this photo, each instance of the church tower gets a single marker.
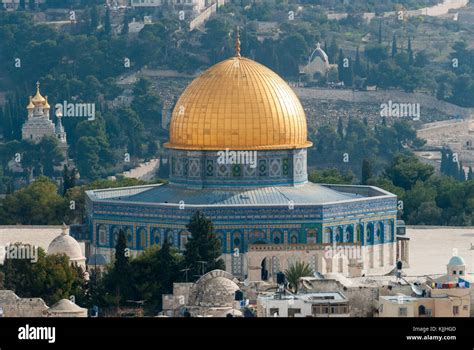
(38, 123)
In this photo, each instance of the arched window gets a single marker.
(370, 232)
(378, 231)
(170, 237)
(236, 240)
(102, 235)
(359, 232)
(257, 236)
(348, 234)
(141, 238)
(128, 235)
(327, 235)
(339, 234)
(293, 237)
(114, 236)
(312, 236)
(421, 310)
(156, 237)
(277, 237)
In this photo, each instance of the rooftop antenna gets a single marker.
(185, 270)
(203, 265)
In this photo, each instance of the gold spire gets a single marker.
(46, 104)
(30, 105)
(237, 43)
(38, 98)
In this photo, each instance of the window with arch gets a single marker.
(392, 230)
(257, 236)
(312, 236)
(359, 232)
(348, 234)
(339, 234)
(378, 231)
(293, 237)
(102, 235)
(114, 236)
(277, 237)
(141, 238)
(183, 239)
(129, 236)
(237, 240)
(156, 237)
(370, 232)
(170, 237)
(327, 235)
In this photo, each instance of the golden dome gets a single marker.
(241, 105)
(46, 104)
(38, 98)
(30, 105)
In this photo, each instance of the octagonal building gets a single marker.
(237, 152)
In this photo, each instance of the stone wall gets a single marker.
(427, 102)
(13, 306)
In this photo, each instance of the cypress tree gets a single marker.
(340, 128)
(366, 171)
(410, 52)
(125, 28)
(380, 33)
(202, 246)
(340, 66)
(107, 24)
(394, 46)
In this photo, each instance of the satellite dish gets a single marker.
(307, 284)
(416, 289)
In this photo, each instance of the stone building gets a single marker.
(66, 308)
(38, 124)
(330, 304)
(65, 244)
(13, 306)
(212, 295)
(318, 65)
(238, 153)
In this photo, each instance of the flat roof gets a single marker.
(306, 194)
(314, 297)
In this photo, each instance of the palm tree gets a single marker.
(295, 272)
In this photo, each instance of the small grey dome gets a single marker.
(456, 261)
(65, 244)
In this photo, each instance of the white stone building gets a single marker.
(331, 304)
(38, 124)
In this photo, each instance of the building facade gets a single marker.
(237, 149)
(38, 124)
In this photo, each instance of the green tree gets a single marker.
(295, 272)
(366, 171)
(118, 279)
(107, 23)
(394, 46)
(330, 176)
(406, 170)
(51, 278)
(203, 246)
(125, 28)
(37, 204)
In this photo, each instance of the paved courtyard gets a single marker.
(432, 247)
